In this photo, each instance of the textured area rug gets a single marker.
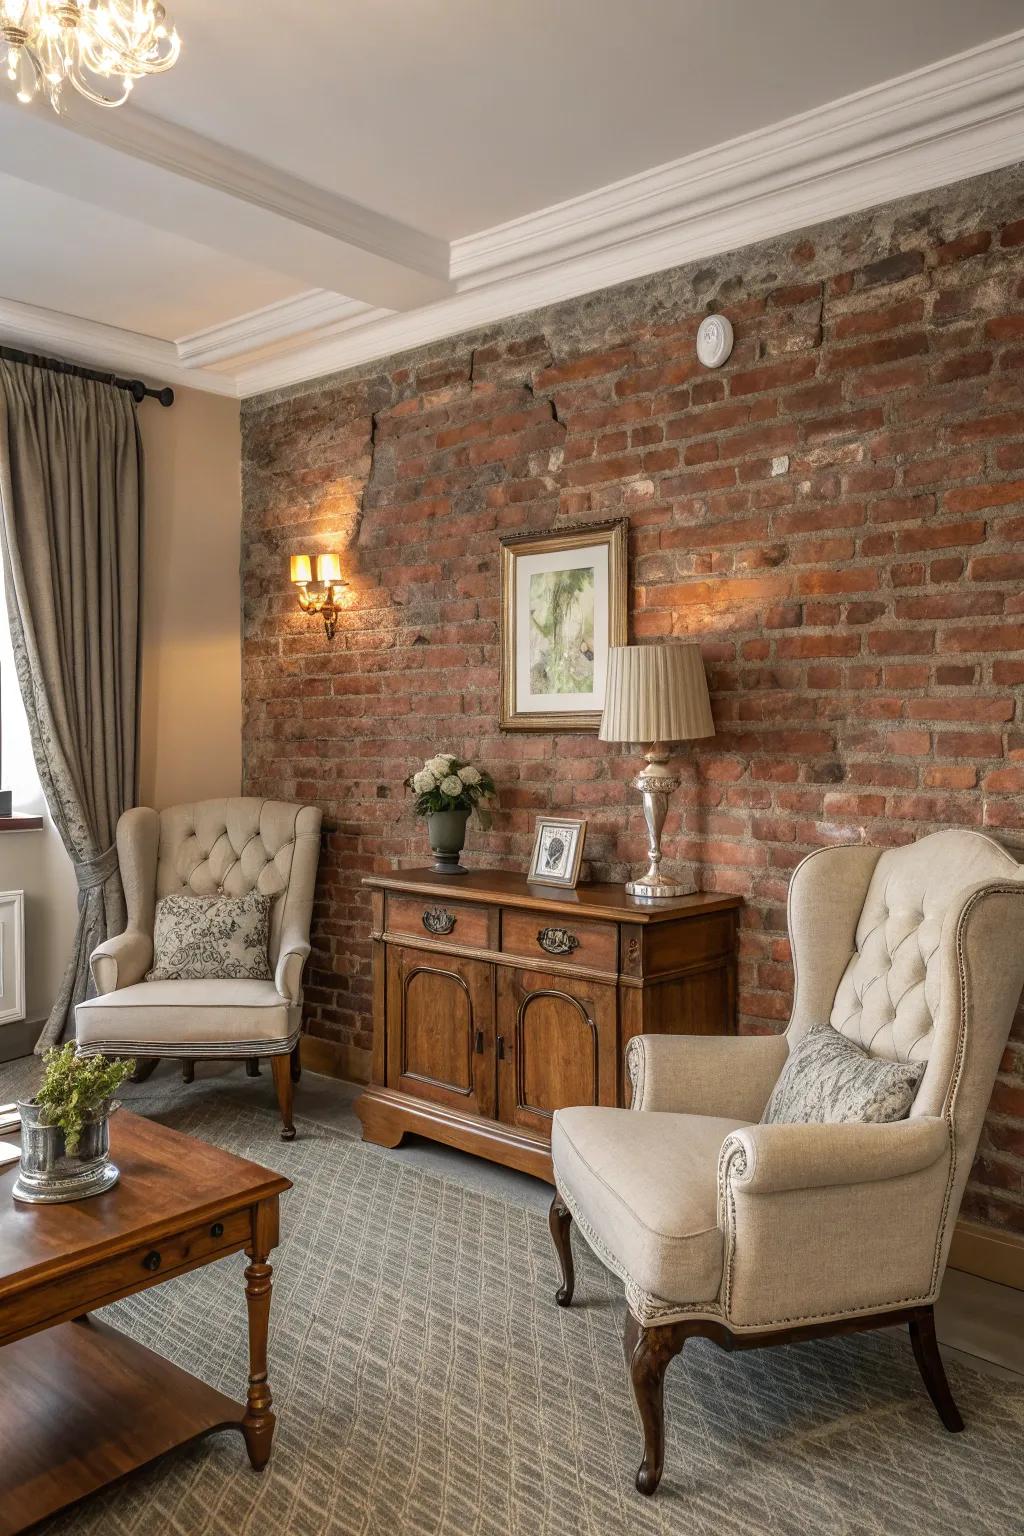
(427, 1385)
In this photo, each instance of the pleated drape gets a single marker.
(70, 513)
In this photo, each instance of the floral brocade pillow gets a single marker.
(211, 938)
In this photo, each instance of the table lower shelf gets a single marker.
(82, 1405)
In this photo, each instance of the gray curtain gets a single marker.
(70, 504)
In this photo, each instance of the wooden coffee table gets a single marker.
(81, 1404)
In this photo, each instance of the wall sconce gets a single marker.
(319, 583)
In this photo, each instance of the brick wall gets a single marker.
(837, 515)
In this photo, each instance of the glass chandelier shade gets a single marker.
(100, 46)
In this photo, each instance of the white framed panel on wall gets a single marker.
(12, 956)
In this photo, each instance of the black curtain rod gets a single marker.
(135, 387)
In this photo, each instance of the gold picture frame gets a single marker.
(558, 618)
(557, 851)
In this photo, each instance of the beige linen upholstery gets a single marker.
(215, 846)
(917, 953)
(666, 1236)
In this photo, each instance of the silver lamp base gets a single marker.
(656, 782)
(660, 890)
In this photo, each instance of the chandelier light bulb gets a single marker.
(100, 46)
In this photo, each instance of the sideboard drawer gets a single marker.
(424, 917)
(539, 936)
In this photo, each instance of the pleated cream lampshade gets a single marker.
(656, 693)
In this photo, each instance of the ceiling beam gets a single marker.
(172, 179)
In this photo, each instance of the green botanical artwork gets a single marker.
(562, 631)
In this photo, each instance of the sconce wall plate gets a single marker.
(714, 341)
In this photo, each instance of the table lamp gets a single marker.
(656, 694)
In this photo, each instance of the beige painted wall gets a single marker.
(191, 666)
(191, 744)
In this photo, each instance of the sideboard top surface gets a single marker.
(498, 887)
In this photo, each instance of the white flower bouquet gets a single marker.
(445, 783)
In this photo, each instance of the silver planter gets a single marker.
(447, 833)
(49, 1173)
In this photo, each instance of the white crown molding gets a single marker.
(955, 119)
(951, 120)
(897, 121)
(310, 316)
(106, 347)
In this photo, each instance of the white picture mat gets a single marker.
(594, 556)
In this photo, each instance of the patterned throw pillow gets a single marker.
(211, 938)
(829, 1080)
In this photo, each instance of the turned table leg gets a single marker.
(258, 1422)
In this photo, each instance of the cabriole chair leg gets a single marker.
(188, 1071)
(252, 1066)
(648, 1354)
(933, 1373)
(145, 1066)
(282, 1070)
(560, 1223)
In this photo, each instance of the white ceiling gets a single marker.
(454, 115)
(299, 154)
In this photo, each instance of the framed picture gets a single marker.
(563, 603)
(557, 850)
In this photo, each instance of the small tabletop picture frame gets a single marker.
(557, 851)
(563, 603)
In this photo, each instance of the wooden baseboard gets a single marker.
(333, 1059)
(983, 1251)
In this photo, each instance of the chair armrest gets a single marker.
(767, 1159)
(288, 973)
(729, 1075)
(121, 961)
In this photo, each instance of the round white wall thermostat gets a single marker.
(714, 340)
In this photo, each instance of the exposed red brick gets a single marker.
(836, 516)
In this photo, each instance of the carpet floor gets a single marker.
(426, 1385)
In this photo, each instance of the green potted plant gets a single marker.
(65, 1137)
(447, 792)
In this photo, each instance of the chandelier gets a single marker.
(101, 46)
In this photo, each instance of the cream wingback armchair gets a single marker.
(214, 847)
(754, 1234)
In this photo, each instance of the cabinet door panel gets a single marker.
(556, 1046)
(441, 1029)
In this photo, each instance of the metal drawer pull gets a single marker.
(501, 1047)
(217, 1230)
(438, 920)
(152, 1262)
(557, 941)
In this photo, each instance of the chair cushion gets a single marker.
(188, 1018)
(211, 938)
(644, 1188)
(830, 1080)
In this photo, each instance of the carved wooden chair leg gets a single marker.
(252, 1066)
(560, 1223)
(929, 1363)
(282, 1070)
(145, 1066)
(648, 1353)
(188, 1071)
(296, 1059)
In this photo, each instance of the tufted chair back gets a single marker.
(917, 953)
(232, 846)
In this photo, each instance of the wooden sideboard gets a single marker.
(496, 1002)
